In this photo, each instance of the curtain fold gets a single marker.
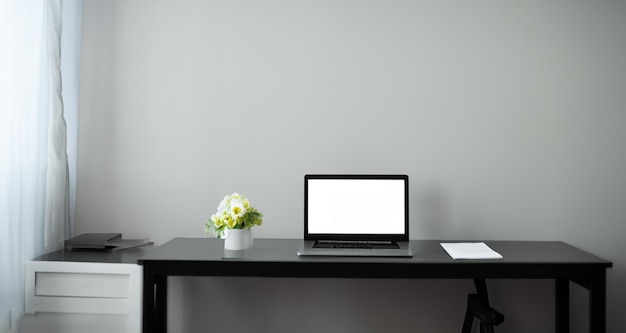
(34, 173)
(56, 224)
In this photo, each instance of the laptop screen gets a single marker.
(356, 207)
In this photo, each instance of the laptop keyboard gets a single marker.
(355, 245)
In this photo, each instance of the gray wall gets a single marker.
(509, 118)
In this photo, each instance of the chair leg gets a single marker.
(478, 307)
(481, 289)
(469, 319)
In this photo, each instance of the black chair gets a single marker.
(478, 307)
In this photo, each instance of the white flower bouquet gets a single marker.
(234, 212)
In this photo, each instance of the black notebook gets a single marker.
(103, 241)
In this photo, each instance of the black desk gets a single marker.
(277, 258)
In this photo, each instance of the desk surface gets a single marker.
(527, 259)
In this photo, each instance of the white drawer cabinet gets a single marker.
(64, 285)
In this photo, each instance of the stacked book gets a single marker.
(103, 242)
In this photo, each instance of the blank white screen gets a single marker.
(356, 206)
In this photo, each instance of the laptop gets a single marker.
(356, 215)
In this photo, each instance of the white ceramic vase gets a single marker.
(238, 239)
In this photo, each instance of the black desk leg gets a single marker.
(597, 293)
(148, 301)
(561, 302)
(161, 304)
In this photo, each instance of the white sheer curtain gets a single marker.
(34, 169)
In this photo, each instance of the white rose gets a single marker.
(237, 208)
(224, 206)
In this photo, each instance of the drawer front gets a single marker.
(82, 285)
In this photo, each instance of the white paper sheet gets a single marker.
(477, 250)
